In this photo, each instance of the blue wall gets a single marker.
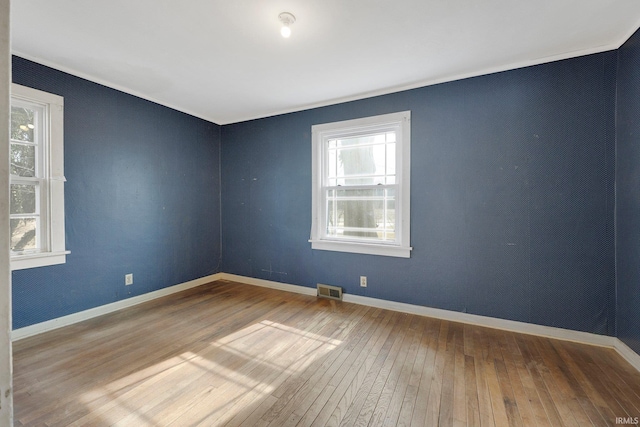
(628, 193)
(512, 198)
(142, 197)
(512, 203)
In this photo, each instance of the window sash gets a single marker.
(330, 177)
(16, 240)
(381, 195)
(40, 242)
(39, 215)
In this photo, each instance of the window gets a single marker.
(37, 179)
(361, 189)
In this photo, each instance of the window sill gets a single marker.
(362, 248)
(21, 262)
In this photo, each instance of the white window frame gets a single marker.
(321, 134)
(51, 197)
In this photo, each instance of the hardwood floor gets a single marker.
(232, 354)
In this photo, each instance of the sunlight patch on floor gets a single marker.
(213, 382)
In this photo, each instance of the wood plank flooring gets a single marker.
(237, 355)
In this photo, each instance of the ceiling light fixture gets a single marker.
(287, 19)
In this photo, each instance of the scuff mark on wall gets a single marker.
(271, 272)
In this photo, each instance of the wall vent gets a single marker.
(328, 291)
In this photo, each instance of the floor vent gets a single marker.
(328, 291)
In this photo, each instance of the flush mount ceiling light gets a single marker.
(287, 19)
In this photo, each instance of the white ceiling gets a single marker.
(225, 61)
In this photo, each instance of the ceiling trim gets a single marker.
(628, 36)
(386, 91)
(103, 82)
(432, 82)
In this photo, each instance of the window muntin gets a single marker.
(361, 185)
(36, 178)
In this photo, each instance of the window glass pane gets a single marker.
(23, 160)
(362, 140)
(390, 225)
(332, 220)
(359, 218)
(391, 159)
(391, 137)
(361, 214)
(358, 161)
(379, 157)
(23, 199)
(373, 193)
(23, 234)
(332, 163)
(361, 160)
(22, 124)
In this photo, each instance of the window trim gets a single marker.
(321, 133)
(52, 213)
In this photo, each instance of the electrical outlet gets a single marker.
(363, 281)
(128, 279)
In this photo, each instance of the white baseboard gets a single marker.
(629, 355)
(454, 316)
(70, 319)
(491, 322)
(297, 289)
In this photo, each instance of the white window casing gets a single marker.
(50, 234)
(361, 189)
